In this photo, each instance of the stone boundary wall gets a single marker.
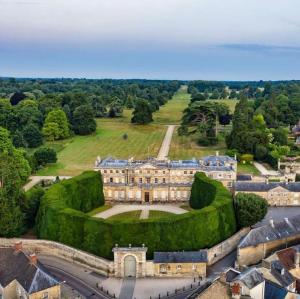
(220, 250)
(68, 253)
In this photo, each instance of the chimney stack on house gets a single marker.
(33, 259)
(18, 246)
(271, 222)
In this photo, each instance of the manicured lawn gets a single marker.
(185, 147)
(248, 169)
(99, 210)
(171, 112)
(79, 152)
(127, 215)
(159, 214)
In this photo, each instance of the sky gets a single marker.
(153, 39)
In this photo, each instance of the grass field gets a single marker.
(159, 214)
(171, 112)
(231, 103)
(79, 153)
(185, 147)
(127, 215)
(248, 169)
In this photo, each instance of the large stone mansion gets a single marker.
(152, 180)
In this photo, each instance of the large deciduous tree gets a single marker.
(250, 208)
(83, 120)
(142, 113)
(56, 125)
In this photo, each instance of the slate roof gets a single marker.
(243, 177)
(210, 163)
(274, 291)
(265, 187)
(181, 257)
(250, 278)
(16, 265)
(267, 233)
(231, 274)
(281, 274)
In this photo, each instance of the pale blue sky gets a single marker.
(168, 39)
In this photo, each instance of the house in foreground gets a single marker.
(23, 276)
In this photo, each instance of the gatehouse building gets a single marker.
(159, 181)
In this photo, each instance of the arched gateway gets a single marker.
(130, 261)
(129, 266)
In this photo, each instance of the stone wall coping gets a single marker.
(129, 249)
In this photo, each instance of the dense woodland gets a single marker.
(261, 124)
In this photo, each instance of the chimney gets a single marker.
(33, 259)
(271, 222)
(223, 277)
(18, 246)
(282, 271)
(286, 220)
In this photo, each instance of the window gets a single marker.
(194, 267)
(148, 171)
(140, 171)
(117, 171)
(185, 172)
(191, 172)
(156, 171)
(178, 267)
(148, 180)
(163, 268)
(111, 171)
(123, 171)
(164, 172)
(156, 180)
(105, 171)
(45, 295)
(111, 180)
(141, 180)
(132, 180)
(164, 180)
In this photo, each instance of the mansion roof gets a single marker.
(209, 163)
(271, 232)
(250, 278)
(265, 187)
(181, 257)
(16, 265)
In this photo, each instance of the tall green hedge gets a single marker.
(62, 218)
(205, 187)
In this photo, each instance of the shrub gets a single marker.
(250, 208)
(45, 155)
(62, 218)
(247, 158)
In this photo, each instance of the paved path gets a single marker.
(118, 209)
(127, 288)
(34, 180)
(264, 171)
(144, 214)
(164, 149)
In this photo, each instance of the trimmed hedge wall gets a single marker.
(62, 218)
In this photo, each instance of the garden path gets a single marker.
(119, 209)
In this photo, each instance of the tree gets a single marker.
(142, 113)
(32, 136)
(250, 209)
(56, 125)
(5, 142)
(198, 97)
(18, 139)
(45, 155)
(11, 217)
(83, 120)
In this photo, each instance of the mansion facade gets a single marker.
(152, 180)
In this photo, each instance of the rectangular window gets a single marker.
(117, 171)
(132, 180)
(123, 171)
(178, 267)
(111, 180)
(185, 172)
(111, 171)
(105, 171)
(148, 180)
(191, 172)
(141, 180)
(156, 180)
(164, 180)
